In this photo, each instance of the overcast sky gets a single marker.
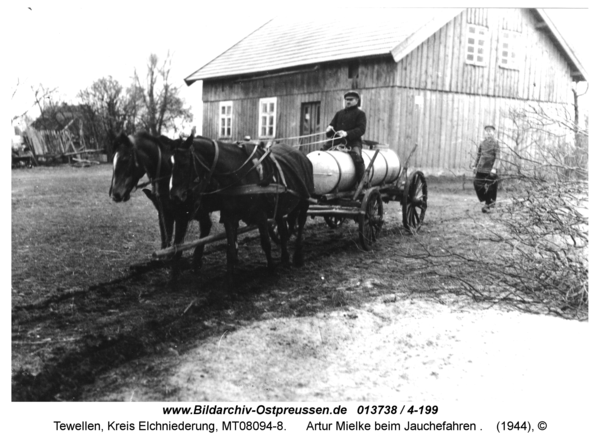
(70, 44)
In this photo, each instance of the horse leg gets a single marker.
(282, 227)
(231, 232)
(292, 219)
(165, 237)
(168, 225)
(181, 225)
(164, 243)
(301, 220)
(265, 242)
(205, 226)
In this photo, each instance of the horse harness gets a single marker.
(154, 182)
(235, 188)
(158, 168)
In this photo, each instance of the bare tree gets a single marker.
(105, 98)
(109, 110)
(133, 107)
(160, 98)
(103, 109)
(42, 98)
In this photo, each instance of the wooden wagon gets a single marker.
(339, 197)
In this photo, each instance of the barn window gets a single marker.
(510, 42)
(477, 45)
(267, 117)
(225, 118)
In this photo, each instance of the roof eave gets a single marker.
(292, 68)
(578, 72)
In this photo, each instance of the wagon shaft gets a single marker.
(206, 240)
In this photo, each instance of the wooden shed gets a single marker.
(433, 77)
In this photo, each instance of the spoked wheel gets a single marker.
(415, 201)
(334, 221)
(371, 222)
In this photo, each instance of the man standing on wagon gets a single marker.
(486, 178)
(350, 124)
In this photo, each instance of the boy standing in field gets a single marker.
(486, 178)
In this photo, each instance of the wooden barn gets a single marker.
(432, 77)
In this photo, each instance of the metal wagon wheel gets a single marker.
(334, 221)
(371, 222)
(415, 201)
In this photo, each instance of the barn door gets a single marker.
(310, 124)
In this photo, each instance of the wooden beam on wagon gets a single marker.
(335, 212)
(365, 176)
(404, 169)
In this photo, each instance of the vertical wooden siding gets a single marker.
(448, 127)
(438, 63)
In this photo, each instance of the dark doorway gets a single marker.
(310, 124)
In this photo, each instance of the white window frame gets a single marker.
(267, 117)
(478, 43)
(509, 52)
(225, 119)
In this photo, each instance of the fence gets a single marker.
(54, 144)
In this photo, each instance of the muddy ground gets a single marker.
(94, 318)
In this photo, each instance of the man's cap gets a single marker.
(352, 94)
(490, 126)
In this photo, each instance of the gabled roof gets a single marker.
(297, 40)
(302, 40)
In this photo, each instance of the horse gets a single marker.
(144, 154)
(253, 185)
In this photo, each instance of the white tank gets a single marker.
(334, 169)
(386, 167)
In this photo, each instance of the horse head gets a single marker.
(127, 170)
(183, 173)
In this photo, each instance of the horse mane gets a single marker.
(165, 143)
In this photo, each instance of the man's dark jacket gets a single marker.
(353, 121)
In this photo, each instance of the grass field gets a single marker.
(87, 299)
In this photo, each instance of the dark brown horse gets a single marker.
(252, 185)
(144, 154)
